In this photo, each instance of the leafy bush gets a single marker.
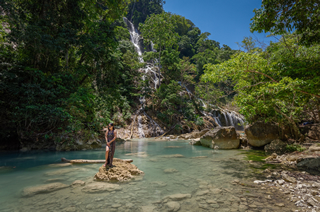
(199, 121)
(294, 148)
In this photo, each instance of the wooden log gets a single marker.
(93, 161)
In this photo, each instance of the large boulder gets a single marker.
(221, 137)
(311, 164)
(260, 133)
(122, 171)
(276, 146)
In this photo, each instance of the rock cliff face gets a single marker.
(221, 137)
(260, 134)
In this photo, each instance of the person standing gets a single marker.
(110, 136)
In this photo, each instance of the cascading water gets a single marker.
(223, 118)
(140, 129)
(150, 70)
(228, 118)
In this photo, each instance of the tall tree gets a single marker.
(52, 51)
(160, 29)
(275, 85)
(282, 16)
(139, 10)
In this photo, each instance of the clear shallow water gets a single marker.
(203, 173)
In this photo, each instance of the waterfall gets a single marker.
(228, 118)
(140, 130)
(150, 70)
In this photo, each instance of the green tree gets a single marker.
(51, 53)
(280, 17)
(275, 85)
(160, 29)
(139, 10)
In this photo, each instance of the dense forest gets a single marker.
(69, 67)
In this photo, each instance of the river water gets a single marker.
(170, 167)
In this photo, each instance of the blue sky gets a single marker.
(228, 21)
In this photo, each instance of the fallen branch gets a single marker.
(166, 132)
(79, 161)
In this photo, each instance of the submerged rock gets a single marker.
(168, 171)
(173, 156)
(42, 189)
(100, 187)
(260, 133)
(78, 183)
(221, 138)
(173, 206)
(138, 154)
(121, 172)
(178, 197)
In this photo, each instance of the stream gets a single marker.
(206, 176)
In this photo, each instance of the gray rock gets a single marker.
(173, 206)
(260, 133)
(78, 183)
(314, 148)
(148, 208)
(202, 192)
(313, 202)
(276, 146)
(221, 138)
(288, 178)
(309, 163)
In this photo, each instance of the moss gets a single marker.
(258, 156)
(255, 155)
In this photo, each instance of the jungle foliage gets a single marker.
(66, 67)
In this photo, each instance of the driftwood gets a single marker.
(93, 161)
(166, 132)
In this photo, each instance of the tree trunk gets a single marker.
(296, 131)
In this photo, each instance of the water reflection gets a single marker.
(200, 179)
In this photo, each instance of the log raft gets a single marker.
(93, 161)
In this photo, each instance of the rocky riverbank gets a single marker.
(301, 188)
(295, 174)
